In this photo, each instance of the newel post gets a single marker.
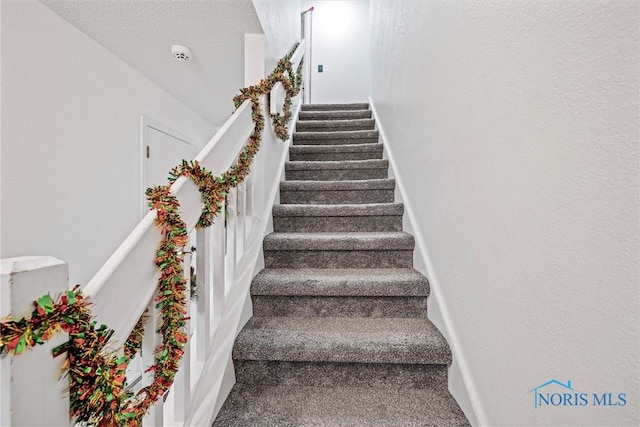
(30, 392)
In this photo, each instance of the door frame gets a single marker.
(306, 28)
(147, 122)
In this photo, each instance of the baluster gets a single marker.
(246, 231)
(248, 206)
(248, 220)
(249, 210)
(242, 220)
(232, 231)
(204, 274)
(276, 98)
(217, 292)
(155, 416)
(182, 385)
(257, 183)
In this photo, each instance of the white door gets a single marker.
(163, 149)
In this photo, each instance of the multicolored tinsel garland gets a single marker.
(96, 380)
(292, 84)
(96, 376)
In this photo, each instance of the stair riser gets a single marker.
(343, 351)
(334, 107)
(336, 174)
(339, 306)
(302, 139)
(366, 155)
(332, 197)
(338, 259)
(334, 115)
(320, 374)
(321, 224)
(349, 283)
(330, 126)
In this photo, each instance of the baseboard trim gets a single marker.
(466, 394)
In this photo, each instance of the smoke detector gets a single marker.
(181, 53)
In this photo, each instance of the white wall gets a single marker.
(340, 43)
(280, 22)
(71, 140)
(514, 129)
(142, 32)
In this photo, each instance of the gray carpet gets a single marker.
(340, 335)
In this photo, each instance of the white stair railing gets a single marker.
(225, 258)
(278, 92)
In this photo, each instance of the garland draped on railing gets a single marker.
(97, 378)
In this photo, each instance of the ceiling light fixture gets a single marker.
(181, 53)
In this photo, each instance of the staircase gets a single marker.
(340, 335)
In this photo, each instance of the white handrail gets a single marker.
(130, 270)
(298, 55)
(277, 92)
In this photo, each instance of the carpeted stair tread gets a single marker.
(359, 191)
(402, 282)
(332, 165)
(317, 218)
(379, 241)
(334, 125)
(334, 115)
(346, 148)
(335, 107)
(341, 406)
(350, 170)
(339, 306)
(367, 209)
(331, 374)
(335, 152)
(338, 137)
(346, 170)
(340, 339)
(343, 134)
(370, 184)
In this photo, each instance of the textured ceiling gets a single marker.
(141, 33)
